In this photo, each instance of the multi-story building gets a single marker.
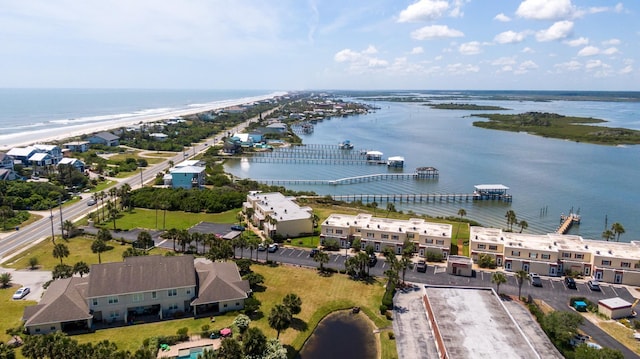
(386, 232)
(278, 215)
(555, 254)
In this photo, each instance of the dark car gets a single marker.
(272, 247)
(313, 252)
(421, 266)
(594, 285)
(236, 227)
(372, 260)
(570, 283)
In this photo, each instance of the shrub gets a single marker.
(331, 245)
(383, 309)
(387, 298)
(486, 261)
(391, 335)
(433, 257)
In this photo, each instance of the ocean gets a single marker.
(546, 177)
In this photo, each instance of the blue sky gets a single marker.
(307, 44)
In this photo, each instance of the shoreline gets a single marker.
(68, 132)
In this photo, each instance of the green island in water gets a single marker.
(562, 127)
(464, 106)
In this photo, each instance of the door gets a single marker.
(598, 275)
(525, 267)
(617, 278)
(552, 271)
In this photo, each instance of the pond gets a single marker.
(341, 335)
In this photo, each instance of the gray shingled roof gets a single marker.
(108, 136)
(219, 281)
(141, 274)
(62, 302)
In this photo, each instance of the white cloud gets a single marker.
(461, 69)
(611, 42)
(618, 8)
(417, 50)
(346, 55)
(545, 9)
(557, 31)
(594, 64)
(361, 61)
(525, 67)
(597, 9)
(423, 10)
(470, 48)
(457, 9)
(502, 17)
(589, 51)
(509, 37)
(610, 51)
(626, 70)
(502, 61)
(577, 42)
(572, 65)
(435, 31)
(370, 50)
(527, 50)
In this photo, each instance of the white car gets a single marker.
(21, 293)
(535, 280)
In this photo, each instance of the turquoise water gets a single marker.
(547, 177)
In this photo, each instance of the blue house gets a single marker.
(187, 177)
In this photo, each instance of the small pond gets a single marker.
(341, 335)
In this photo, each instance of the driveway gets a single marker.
(414, 339)
(34, 279)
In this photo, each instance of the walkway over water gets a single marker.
(355, 179)
(414, 197)
(567, 222)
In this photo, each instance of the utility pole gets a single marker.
(53, 237)
(61, 222)
(141, 180)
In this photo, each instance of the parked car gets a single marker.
(570, 282)
(262, 247)
(313, 252)
(536, 281)
(594, 285)
(91, 202)
(236, 227)
(21, 293)
(273, 247)
(421, 266)
(579, 339)
(373, 260)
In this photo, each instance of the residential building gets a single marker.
(279, 215)
(187, 177)
(21, 155)
(555, 254)
(6, 161)
(157, 286)
(77, 146)
(74, 162)
(52, 150)
(428, 237)
(158, 136)
(460, 265)
(104, 138)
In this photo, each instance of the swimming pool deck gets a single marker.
(176, 349)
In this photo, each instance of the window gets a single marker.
(493, 248)
(566, 255)
(440, 242)
(533, 255)
(237, 304)
(410, 235)
(515, 253)
(114, 314)
(138, 297)
(507, 265)
(586, 270)
(154, 295)
(37, 330)
(94, 302)
(173, 307)
(224, 306)
(578, 256)
(545, 256)
(172, 292)
(482, 246)
(606, 262)
(189, 291)
(625, 265)
(384, 236)
(328, 231)
(52, 328)
(370, 235)
(395, 237)
(428, 240)
(113, 300)
(338, 231)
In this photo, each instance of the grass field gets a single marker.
(11, 311)
(152, 219)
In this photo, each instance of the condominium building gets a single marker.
(278, 215)
(555, 254)
(387, 232)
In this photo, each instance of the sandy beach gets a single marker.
(67, 132)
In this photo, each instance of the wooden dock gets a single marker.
(354, 179)
(414, 197)
(567, 222)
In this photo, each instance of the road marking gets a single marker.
(552, 286)
(301, 252)
(614, 291)
(335, 260)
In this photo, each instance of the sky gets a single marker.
(321, 44)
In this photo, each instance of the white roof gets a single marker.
(21, 151)
(188, 169)
(614, 303)
(396, 158)
(490, 186)
(158, 134)
(68, 161)
(39, 156)
(187, 163)
(374, 153)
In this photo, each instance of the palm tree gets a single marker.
(104, 235)
(81, 268)
(280, 318)
(60, 251)
(461, 213)
(267, 242)
(102, 197)
(390, 208)
(608, 235)
(374, 204)
(404, 263)
(98, 246)
(113, 212)
(68, 226)
(197, 237)
(521, 277)
(618, 230)
(95, 197)
(252, 243)
(321, 257)
(511, 219)
(293, 302)
(184, 238)
(523, 225)
(498, 278)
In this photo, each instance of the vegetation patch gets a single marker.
(465, 106)
(558, 126)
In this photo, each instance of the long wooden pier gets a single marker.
(353, 179)
(567, 222)
(415, 197)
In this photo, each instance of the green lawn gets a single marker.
(12, 311)
(152, 219)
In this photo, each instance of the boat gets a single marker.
(346, 145)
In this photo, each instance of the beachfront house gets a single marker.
(6, 161)
(21, 155)
(430, 239)
(158, 136)
(148, 288)
(39, 159)
(104, 138)
(187, 177)
(279, 215)
(73, 162)
(77, 146)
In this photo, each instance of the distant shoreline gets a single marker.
(69, 132)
